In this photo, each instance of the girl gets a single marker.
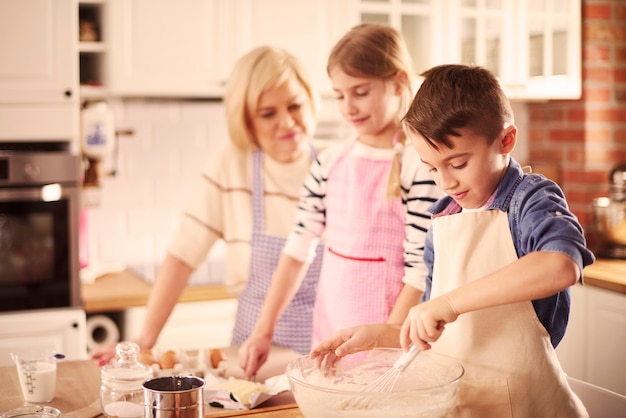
(357, 195)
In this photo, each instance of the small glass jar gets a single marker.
(121, 391)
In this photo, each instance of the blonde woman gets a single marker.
(247, 196)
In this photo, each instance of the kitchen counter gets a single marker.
(119, 291)
(607, 274)
(78, 386)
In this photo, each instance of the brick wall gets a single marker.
(587, 137)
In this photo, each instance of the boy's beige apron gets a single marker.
(511, 369)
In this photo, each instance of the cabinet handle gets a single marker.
(68, 93)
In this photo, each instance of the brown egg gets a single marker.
(168, 360)
(145, 357)
(216, 357)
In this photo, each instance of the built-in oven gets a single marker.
(39, 212)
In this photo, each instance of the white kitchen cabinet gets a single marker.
(191, 325)
(533, 47)
(38, 71)
(606, 339)
(61, 330)
(160, 48)
(170, 48)
(306, 28)
(593, 347)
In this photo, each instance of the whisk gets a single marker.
(386, 381)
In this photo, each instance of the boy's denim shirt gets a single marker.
(540, 220)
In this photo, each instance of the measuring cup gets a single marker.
(37, 372)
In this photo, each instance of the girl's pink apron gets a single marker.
(511, 369)
(363, 265)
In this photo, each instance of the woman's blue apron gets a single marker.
(294, 328)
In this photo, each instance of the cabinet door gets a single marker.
(550, 38)
(417, 20)
(37, 49)
(306, 28)
(168, 48)
(606, 339)
(38, 71)
(532, 46)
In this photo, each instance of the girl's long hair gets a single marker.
(378, 51)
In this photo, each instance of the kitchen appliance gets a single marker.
(39, 212)
(609, 213)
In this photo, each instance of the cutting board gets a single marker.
(282, 411)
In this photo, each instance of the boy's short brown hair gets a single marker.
(454, 97)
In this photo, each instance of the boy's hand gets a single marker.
(426, 322)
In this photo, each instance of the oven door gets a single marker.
(38, 251)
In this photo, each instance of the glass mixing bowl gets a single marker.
(426, 389)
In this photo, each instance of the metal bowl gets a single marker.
(609, 226)
(427, 388)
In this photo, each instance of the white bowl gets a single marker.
(426, 389)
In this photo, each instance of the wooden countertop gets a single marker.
(607, 274)
(78, 386)
(119, 291)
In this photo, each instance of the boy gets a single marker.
(502, 252)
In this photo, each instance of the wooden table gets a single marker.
(78, 386)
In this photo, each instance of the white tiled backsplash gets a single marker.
(138, 208)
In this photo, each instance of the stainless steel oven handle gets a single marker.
(31, 194)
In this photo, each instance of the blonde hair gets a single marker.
(261, 69)
(378, 51)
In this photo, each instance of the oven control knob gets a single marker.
(31, 171)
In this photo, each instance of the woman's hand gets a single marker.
(426, 322)
(104, 354)
(253, 354)
(107, 353)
